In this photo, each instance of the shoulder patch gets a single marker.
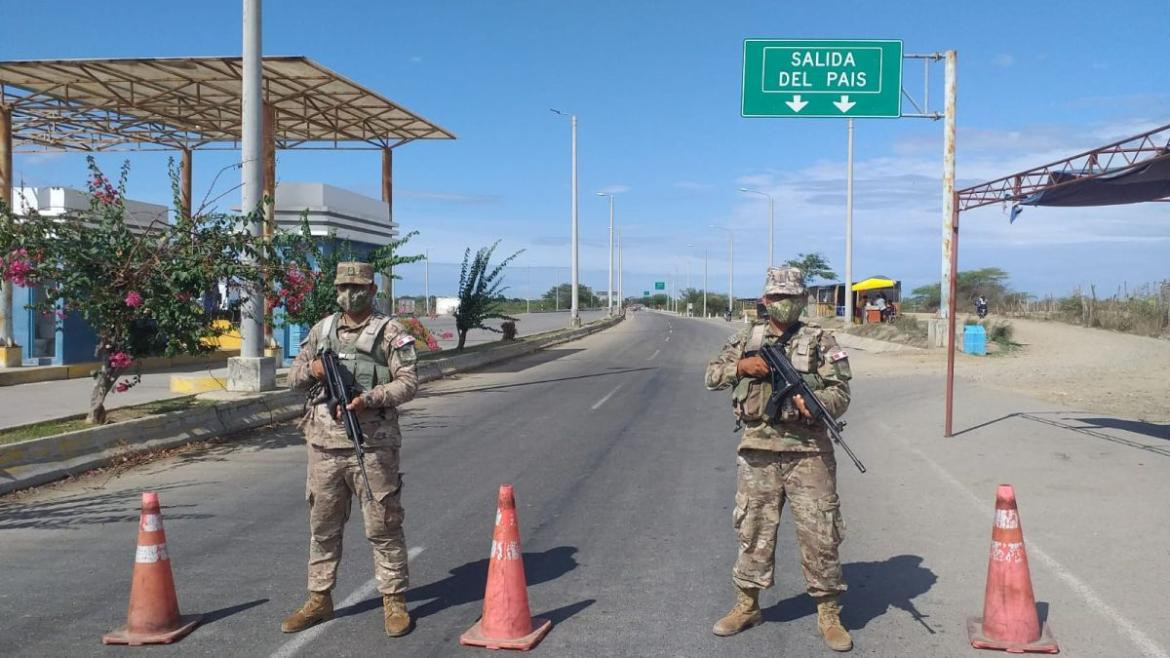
(402, 340)
(838, 355)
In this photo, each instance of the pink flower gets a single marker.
(122, 386)
(17, 268)
(432, 344)
(120, 360)
(447, 335)
(133, 299)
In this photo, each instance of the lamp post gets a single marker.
(730, 267)
(771, 223)
(609, 293)
(574, 314)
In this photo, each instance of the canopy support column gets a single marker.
(10, 354)
(185, 183)
(388, 197)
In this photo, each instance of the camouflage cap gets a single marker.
(354, 272)
(784, 281)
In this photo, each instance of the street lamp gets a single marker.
(574, 315)
(771, 208)
(609, 195)
(730, 266)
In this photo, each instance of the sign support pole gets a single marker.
(849, 231)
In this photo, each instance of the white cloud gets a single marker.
(1004, 60)
(692, 186)
(416, 59)
(614, 189)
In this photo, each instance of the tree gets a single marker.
(480, 296)
(716, 303)
(815, 266)
(562, 295)
(139, 288)
(991, 282)
(320, 300)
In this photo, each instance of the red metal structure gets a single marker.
(1132, 170)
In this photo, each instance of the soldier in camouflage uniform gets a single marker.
(380, 357)
(788, 460)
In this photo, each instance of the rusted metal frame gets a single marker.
(951, 313)
(1085, 165)
(146, 103)
(354, 85)
(73, 125)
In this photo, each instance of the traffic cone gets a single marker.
(1009, 621)
(153, 617)
(507, 622)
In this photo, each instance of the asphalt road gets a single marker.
(624, 473)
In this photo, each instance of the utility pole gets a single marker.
(849, 231)
(574, 313)
(704, 282)
(948, 199)
(252, 371)
(609, 293)
(427, 282)
(621, 289)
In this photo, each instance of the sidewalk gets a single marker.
(21, 404)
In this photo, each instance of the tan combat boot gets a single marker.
(317, 609)
(398, 622)
(743, 616)
(829, 625)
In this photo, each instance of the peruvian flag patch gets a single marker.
(839, 355)
(403, 340)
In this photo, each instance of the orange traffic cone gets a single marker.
(507, 622)
(153, 617)
(1009, 621)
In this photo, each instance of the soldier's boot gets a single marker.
(745, 614)
(398, 621)
(317, 609)
(829, 624)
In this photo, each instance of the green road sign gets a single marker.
(841, 79)
(645, 293)
(660, 285)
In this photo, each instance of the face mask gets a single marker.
(785, 311)
(354, 301)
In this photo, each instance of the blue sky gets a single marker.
(656, 86)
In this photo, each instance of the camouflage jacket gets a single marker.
(379, 419)
(812, 351)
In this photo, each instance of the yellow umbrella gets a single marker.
(874, 283)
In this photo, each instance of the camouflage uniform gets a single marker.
(791, 460)
(333, 473)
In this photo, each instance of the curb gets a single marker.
(38, 461)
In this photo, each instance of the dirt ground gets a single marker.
(1087, 369)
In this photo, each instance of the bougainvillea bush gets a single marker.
(140, 287)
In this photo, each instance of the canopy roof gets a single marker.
(874, 283)
(194, 102)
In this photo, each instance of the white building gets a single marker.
(350, 215)
(55, 201)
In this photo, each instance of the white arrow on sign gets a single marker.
(844, 104)
(796, 104)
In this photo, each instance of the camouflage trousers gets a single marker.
(334, 477)
(808, 481)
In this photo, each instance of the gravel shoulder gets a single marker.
(1090, 369)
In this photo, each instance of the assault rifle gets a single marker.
(335, 395)
(787, 382)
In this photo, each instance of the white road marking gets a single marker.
(668, 339)
(606, 398)
(293, 646)
(653, 355)
(1145, 644)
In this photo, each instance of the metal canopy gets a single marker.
(1108, 175)
(194, 102)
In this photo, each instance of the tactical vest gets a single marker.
(750, 395)
(364, 357)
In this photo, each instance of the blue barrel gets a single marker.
(975, 340)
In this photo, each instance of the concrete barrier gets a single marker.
(37, 461)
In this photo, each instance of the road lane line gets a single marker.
(606, 398)
(668, 339)
(656, 352)
(290, 648)
(1144, 643)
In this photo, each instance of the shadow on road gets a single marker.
(499, 387)
(538, 359)
(212, 616)
(874, 588)
(564, 612)
(121, 506)
(466, 584)
(1091, 426)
